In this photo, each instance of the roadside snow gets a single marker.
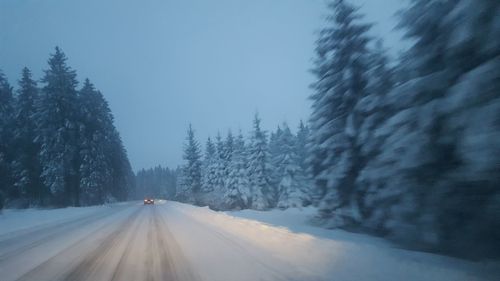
(352, 256)
(298, 220)
(12, 220)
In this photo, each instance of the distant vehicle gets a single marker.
(149, 201)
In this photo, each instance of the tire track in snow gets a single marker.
(120, 266)
(17, 245)
(148, 262)
(95, 257)
(165, 259)
(176, 268)
(57, 266)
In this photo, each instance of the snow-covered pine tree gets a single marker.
(57, 116)
(292, 188)
(95, 168)
(340, 68)
(228, 153)
(191, 172)
(172, 183)
(123, 178)
(454, 91)
(371, 111)
(208, 179)
(27, 168)
(275, 155)
(430, 143)
(219, 166)
(6, 136)
(302, 150)
(237, 195)
(258, 168)
(301, 144)
(169, 180)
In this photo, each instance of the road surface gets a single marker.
(126, 242)
(172, 241)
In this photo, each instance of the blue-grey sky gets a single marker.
(163, 64)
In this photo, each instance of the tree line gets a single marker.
(157, 182)
(58, 143)
(236, 172)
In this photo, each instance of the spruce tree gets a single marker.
(95, 168)
(27, 168)
(228, 153)
(220, 164)
(122, 176)
(340, 68)
(58, 127)
(301, 145)
(453, 88)
(209, 167)
(237, 195)
(6, 137)
(258, 168)
(275, 153)
(191, 183)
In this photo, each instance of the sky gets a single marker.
(163, 64)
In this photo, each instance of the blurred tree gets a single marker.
(341, 69)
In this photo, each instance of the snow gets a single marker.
(200, 244)
(12, 220)
(285, 241)
(298, 220)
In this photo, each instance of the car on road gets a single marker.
(149, 201)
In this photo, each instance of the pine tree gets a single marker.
(58, 127)
(340, 68)
(27, 167)
(237, 194)
(219, 170)
(302, 149)
(301, 145)
(275, 153)
(191, 183)
(227, 153)
(292, 186)
(122, 176)
(208, 181)
(258, 168)
(6, 136)
(370, 112)
(95, 168)
(424, 172)
(453, 92)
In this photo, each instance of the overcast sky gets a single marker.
(163, 64)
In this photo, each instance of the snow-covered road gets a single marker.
(173, 241)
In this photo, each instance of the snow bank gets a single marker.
(287, 243)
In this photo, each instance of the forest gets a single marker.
(406, 149)
(58, 143)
